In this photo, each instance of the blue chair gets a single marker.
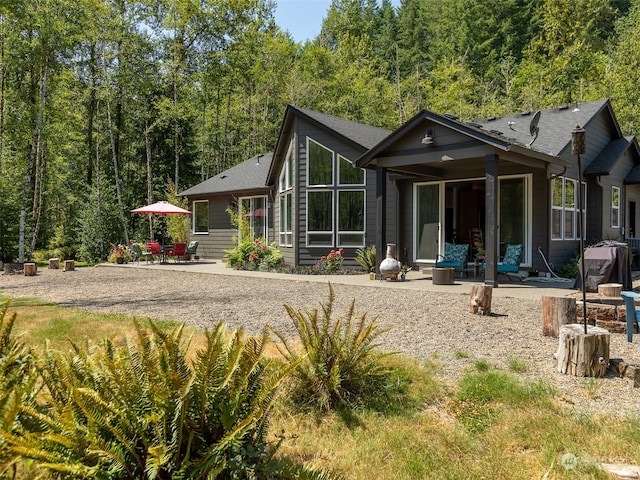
(510, 264)
(455, 254)
(631, 311)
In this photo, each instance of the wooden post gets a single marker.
(54, 263)
(480, 298)
(581, 354)
(69, 266)
(610, 289)
(557, 311)
(30, 269)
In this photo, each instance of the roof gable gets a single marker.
(248, 175)
(358, 135)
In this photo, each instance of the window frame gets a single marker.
(615, 208)
(340, 232)
(564, 208)
(285, 198)
(195, 217)
(333, 154)
(328, 233)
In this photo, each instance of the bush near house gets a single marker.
(254, 255)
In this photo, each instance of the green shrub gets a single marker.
(367, 258)
(569, 269)
(143, 411)
(339, 362)
(254, 255)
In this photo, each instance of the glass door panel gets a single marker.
(427, 218)
(513, 213)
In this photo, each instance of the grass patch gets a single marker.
(490, 424)
(517, 365)
(39, 322)
(460, 354)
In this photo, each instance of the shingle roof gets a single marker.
(364, 135)
(554, 125)
(608, 157)
(248, 175)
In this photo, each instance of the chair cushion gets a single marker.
(512, 254)
(455, 252)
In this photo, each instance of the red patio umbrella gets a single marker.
(162, 208)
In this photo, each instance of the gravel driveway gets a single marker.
(425, 324)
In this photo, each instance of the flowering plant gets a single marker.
(254, 255)
(119, 253)
(332, 262)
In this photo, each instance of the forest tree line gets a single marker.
(107, 105)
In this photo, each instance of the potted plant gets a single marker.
(119, 254)
(366, 257)
(403, 271)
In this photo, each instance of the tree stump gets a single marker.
(557, 311)
(480, 299)
(30, 269)
(610, 289)
(69, 265)
(54, 263)
(581, 354)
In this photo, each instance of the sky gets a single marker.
(303, 18)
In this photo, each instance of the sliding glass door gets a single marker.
(427, 221)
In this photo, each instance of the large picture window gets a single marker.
(320, 164)
(201, 216)
(351, 218)
(320, 218)
(335, 206)
(564, 208)
(615, 207)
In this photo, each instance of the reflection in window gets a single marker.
(201, 216)
(320, 218)
(351, 217)
(615, 207)
(350, 175)
(320, 161)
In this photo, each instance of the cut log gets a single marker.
(622, 472)
(480, 299)
(610, 289)
(557, 311)
(54, 263)
(69, 265)
(30, 269)
(581, 354)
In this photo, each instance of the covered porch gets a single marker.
(456, 180)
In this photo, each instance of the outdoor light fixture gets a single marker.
(578, 147)
(428, 138)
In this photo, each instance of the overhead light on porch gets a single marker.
(428, 138)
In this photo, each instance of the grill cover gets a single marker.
(606, 262)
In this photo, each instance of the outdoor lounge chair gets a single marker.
(191, 249)
(138, 253)
(632, 312)
(510, 264)
(153, 249)
(177, 250)
(455, 256)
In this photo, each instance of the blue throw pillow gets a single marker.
(456, 253)
(512, 254)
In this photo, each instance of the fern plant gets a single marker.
(366, 257)
(18, 384)
(143, 411)
(338, 360)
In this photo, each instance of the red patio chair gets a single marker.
(153, 249)
(177, 250)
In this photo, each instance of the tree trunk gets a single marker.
(480, 299)
(2, 85)
(147, 144)
(37, 129)
(557, 311)
(583, 354)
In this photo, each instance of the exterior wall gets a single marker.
(309, 255)
(221, 232)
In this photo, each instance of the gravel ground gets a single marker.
(425, 324)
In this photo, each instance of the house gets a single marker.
(515, 178)
(242, 187)
(335, 183)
